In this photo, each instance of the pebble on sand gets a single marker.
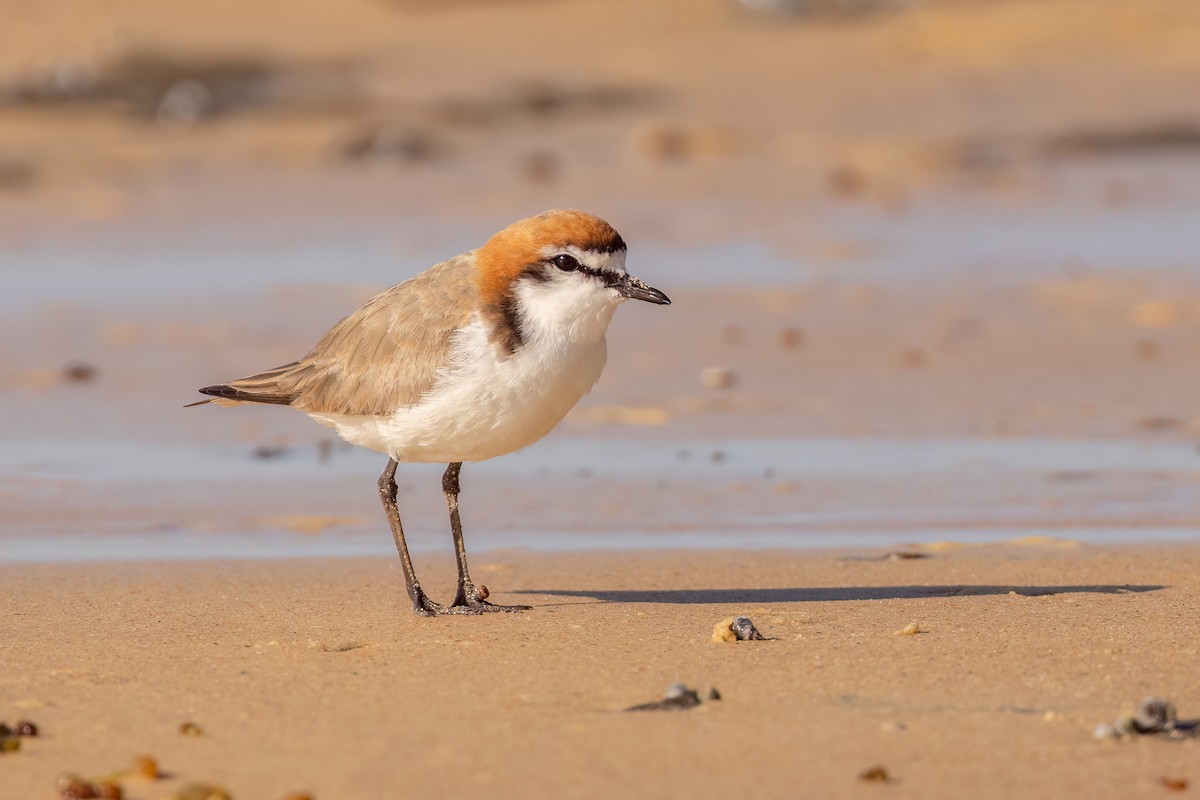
(911, 629)
(736, 629)
(1154, 716)
(875, 774)
(677, 697)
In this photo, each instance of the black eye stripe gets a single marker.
(605, 276)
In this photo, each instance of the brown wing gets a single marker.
(383, 356)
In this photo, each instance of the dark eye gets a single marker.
(565, 262)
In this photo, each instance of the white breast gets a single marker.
(484, 405)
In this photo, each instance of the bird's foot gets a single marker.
(424, 607)
(473, 600)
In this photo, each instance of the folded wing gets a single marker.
(382, 357)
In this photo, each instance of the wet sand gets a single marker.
(314, 676)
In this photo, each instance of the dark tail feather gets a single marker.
(276, 386)
(224, 391)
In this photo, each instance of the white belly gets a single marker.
(483, 407)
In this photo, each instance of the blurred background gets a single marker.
(934, 264)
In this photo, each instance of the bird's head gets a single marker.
(562, 271)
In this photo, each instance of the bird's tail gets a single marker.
(276, 386)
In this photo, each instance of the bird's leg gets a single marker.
(387, 493)
(469, 596)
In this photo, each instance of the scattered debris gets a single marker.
(791, 338)
(190, 729)
(403, 143)
(905, 555)
(894, 555)
(1159, 137)
(146, 767)
(718, 377)
(1161, 424)
(914, 358)
(875, 774)
(669, 142)
(79, 372)
(10, 738)
(713, 694)
(72, 787)
(745, 631)
(677, 697)
(736, 629)
(846, 181)
(1173, 784)
(26, 728)
(825, 8)
(911, 629)
(17, 175)
(177, 90)
(1147, 349)
(543, 101)
(267, 452)
(541, 166)
(201, 791)
(1154, 717)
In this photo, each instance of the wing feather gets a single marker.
(385, 355)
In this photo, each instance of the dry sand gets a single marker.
(314, 675)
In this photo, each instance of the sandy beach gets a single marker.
(314, 676)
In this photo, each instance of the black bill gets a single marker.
(635, 289)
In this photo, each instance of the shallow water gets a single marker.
(681, 492)
(970, 491)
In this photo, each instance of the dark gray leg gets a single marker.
(387, 493)
(469, 596)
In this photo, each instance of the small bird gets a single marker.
(476, 357)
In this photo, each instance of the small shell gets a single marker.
(482, 592)
(911, 629)
(876, 773)
(190, 729)
(675, 690)
(745, 631)
(145, 767)
(1155, 715)
(736, 629)
(26, 728)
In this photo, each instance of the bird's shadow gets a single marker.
(827, 594)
